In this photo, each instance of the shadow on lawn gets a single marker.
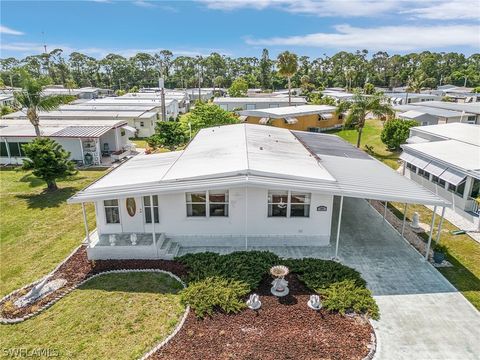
(48, 199)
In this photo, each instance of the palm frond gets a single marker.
(49, 103)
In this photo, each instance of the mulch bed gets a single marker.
(284, 328)
(78, 268)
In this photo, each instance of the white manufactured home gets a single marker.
(97, 142)
(236, 185)
(446, 160)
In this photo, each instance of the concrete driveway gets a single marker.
(422, 315)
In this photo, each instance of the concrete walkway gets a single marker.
(422, 315)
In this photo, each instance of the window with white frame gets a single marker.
(282, 203)
(277, 203)
(197, 204)
(210, 203)
(299, 204)
(218, 202)
(148, 207)
(112, 212)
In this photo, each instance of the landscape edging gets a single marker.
(65, 292)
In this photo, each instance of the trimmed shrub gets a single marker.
(214, 293)
(346, 296)
(247, 266)
(319, 274)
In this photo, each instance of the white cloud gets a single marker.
(399, 38)
(453, 9)
(344, 8)
(8, 31)
(424, 9)
(23, 49)
(143, 3)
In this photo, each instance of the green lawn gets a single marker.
(38, 229)
(463, 253)
(371, 137)
(114, 316)
(140, 143)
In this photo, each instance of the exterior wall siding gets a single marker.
(246, 218)
(304, 122)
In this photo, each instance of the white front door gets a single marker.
(132, 211)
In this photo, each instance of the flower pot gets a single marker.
(438, 257)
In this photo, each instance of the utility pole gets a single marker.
(199, 80)
(162, 97)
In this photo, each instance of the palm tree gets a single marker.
(31, 98)
(359, 107)
(287, 64)
(416, 84)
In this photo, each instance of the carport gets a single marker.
(359, 175)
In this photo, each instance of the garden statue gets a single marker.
(415, 221)
(133, 239)
(42, 289)
(112, 239)
(254, 302)
(280, 285)
(314, 302)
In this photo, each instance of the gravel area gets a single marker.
(416, 241)
(284, 328)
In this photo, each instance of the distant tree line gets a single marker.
(344, 69)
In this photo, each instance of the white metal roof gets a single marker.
(473, 108)
(412, 114)
(283, 111)
(64, 122)
(463, 132)
(85, 114)
(112, 108)
(362, 176)
(253, 100)
(246, 149)
(141, 169)
(130, 101)
(451, 152)
(26, 130)
(247, 154)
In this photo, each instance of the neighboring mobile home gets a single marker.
(446, 160)
(236, 185)
(96, 142)
(254, 103)
(316, 118)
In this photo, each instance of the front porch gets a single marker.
(121, 246)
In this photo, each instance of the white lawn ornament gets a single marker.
(415, 221)
(254, 302)
(314, 303)
(133, 239)
(112, 239)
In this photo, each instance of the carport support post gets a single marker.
(153, 223)
(338, 227)
(404, 218)
(85, 223)
(439, 230)
(431, 232)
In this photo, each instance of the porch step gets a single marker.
(168, 249)
(172, 250)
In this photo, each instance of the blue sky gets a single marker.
(239, 27)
